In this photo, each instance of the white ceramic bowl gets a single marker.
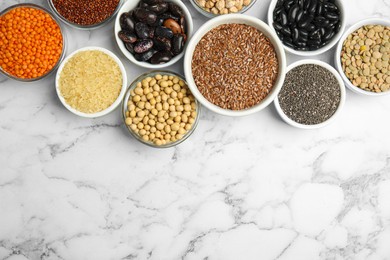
(342, 95)
(130, 5)
(113, 105)
(330, 44)
(240, 19)
(339, 47)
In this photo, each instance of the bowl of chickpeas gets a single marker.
(159, 109)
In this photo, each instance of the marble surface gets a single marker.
(238, 189)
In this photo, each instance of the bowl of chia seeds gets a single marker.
(235, 65)
(312, 95)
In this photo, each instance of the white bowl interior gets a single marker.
(130, 5)
(339, 47)
(320, 50)
(342, 95)
(113, 105)
(240, 19)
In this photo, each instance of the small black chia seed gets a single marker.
(310, 94)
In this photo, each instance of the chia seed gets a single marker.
(310, 94)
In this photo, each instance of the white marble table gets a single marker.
(238, 189)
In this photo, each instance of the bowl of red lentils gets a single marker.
(85, 15)
(32, 42)
(235, 65)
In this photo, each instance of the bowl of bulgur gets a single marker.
(91, 82)
(235, 65)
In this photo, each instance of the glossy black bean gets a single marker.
(295, 35)
(328, 35)
(151, 32)
(314, 42)
(330, 7)
(306, 4)
(142, 30)
(293, 26)
(152, 2)
(299, 16)
(277, 26)
(322, 31)
(320, 9)
(288, 44)
(305, 21)
(300, 44)
(312, 7)
(127, 22)
(315, 35)
(288, 40)
(177, 44)
(310, 27)
(332, 16)
(286, 31)
(168, 15)
(277, 11)
(302, 48)
(175, 10)
(162, 44)
(158, 22)
(143, 46)
(300, 3)
(320, 21)
(145, 56)
(287, 4)
(130, 47)
(127, 37)
(158, 8)
(304, 33)
(162, 31)
(292, 14)
(283, 18)
(145, 16)
(161, 57)
(279, 3)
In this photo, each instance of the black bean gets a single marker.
(127, 22)
(170, 15)
(158, 8)
(177, 44)
(161, 57)
(322, 31)
(158, 22)
(142, 30)
(300, 44)
(330, 7)
(288, 44)
(287, 4)
(143, 46)
(277, 26)
(162, 44)
(286, 31)
(145, 56)
(127, 37)
(332, 16)
(176, 10)
(315, 35)
(145, 16)
(314, 42)
(312, 7)
(299, 16)
(328, 35)
(310, 27)
(152, 2)
(292, 14)
(130, 47)
(304, 33)
(306, 4)
(295, 35)
(277, 11)
(320, 9)
(320, 21)
(300, 3)
(162, 31)
(305, 21)
(283, 18)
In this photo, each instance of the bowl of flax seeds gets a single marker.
(235, 65)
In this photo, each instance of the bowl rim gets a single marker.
(351, 29)
(211, 15)
(114, 104)
(321, 50)
(342, 95)
(241, 19)
(126, 8)
(84, 27)
(64, 41)
(126, 97)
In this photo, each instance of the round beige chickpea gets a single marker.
(161, 109)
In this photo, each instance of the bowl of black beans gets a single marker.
(307, 27)
(153, 33)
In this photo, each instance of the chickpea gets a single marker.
(171, 101)
(128, 121)
(173, 114)
(136, 98)
(164, 84)
(158, 77)
(165, 77)
(145, 138)
(141, 104)
(160, 126)
(142, 132)
(167, 137)
(154, 112)
(141, 113)
(146, 90)
(169, 121)
(138, 91)
(172, 108)
(175, 127)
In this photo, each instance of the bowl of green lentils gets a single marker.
(362, 57)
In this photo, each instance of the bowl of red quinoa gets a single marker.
(85, 15)
(235, 65)
(312, 95)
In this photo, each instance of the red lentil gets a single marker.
(30, 42)
(86, 12)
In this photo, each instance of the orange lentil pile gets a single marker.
(30, 42)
